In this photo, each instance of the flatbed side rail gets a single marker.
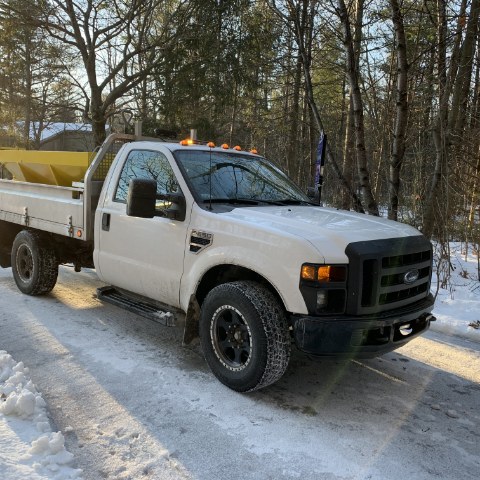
(46, 207)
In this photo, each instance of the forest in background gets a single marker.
(394, 85)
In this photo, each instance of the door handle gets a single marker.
(106, 222)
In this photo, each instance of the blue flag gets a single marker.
(320, 161)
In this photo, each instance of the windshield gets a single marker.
(237, 178)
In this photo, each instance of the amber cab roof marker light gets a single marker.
(192, 141)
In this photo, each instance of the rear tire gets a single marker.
(244, 335)
(34, 264)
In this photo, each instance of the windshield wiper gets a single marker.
(288, 201)
(249, 201)
(232, 201)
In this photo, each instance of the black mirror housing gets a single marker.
(178, 209)
(141, 197)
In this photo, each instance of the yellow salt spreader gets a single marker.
(50, 168)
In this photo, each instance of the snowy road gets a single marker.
(133, 403)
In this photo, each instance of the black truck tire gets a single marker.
(34, 264)
(244, 335)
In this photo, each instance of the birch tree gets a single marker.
(352, 74)
(401, 117)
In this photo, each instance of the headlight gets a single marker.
(324, 288)
(323, 273)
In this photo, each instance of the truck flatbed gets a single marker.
(49, 208)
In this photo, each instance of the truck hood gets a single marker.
(327, 229)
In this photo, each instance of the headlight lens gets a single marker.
(309, 272)
(323, 273)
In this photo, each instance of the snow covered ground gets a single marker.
(28, 447)
(277, 421)
(457, 306)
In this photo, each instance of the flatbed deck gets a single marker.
(54, 209)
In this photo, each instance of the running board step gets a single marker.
(148, 310)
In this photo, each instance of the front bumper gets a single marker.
(363, 336)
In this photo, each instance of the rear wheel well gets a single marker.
(68, 250)
(8, 232)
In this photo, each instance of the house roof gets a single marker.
(52, 129)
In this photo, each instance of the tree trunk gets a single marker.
(353, 79)
(398, 147)
(99, 120)
(440, 129)
(349, 155)
(294, 112)
(448, 132)
(463, 79)
(28, 88)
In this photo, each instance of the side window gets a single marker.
(146, 164)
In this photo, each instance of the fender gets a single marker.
(283, 277)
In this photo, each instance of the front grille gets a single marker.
(388, 274)
(397, 278)
(407, 259)
(392, 297)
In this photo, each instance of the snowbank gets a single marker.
(28, 447)
(457, 307)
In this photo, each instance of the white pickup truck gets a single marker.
(223, 240)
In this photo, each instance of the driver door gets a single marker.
(142, 255)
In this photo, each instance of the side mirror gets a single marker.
(178, 207)
(141, 197)
(142, 201)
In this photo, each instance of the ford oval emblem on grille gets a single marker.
(411, 276)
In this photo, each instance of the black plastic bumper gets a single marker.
(362, 336)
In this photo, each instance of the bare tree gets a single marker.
(454, 86)
(398, 147)
(32, 89)
(109, 38)
(357, 102)
(349, 152)
(290, 13)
